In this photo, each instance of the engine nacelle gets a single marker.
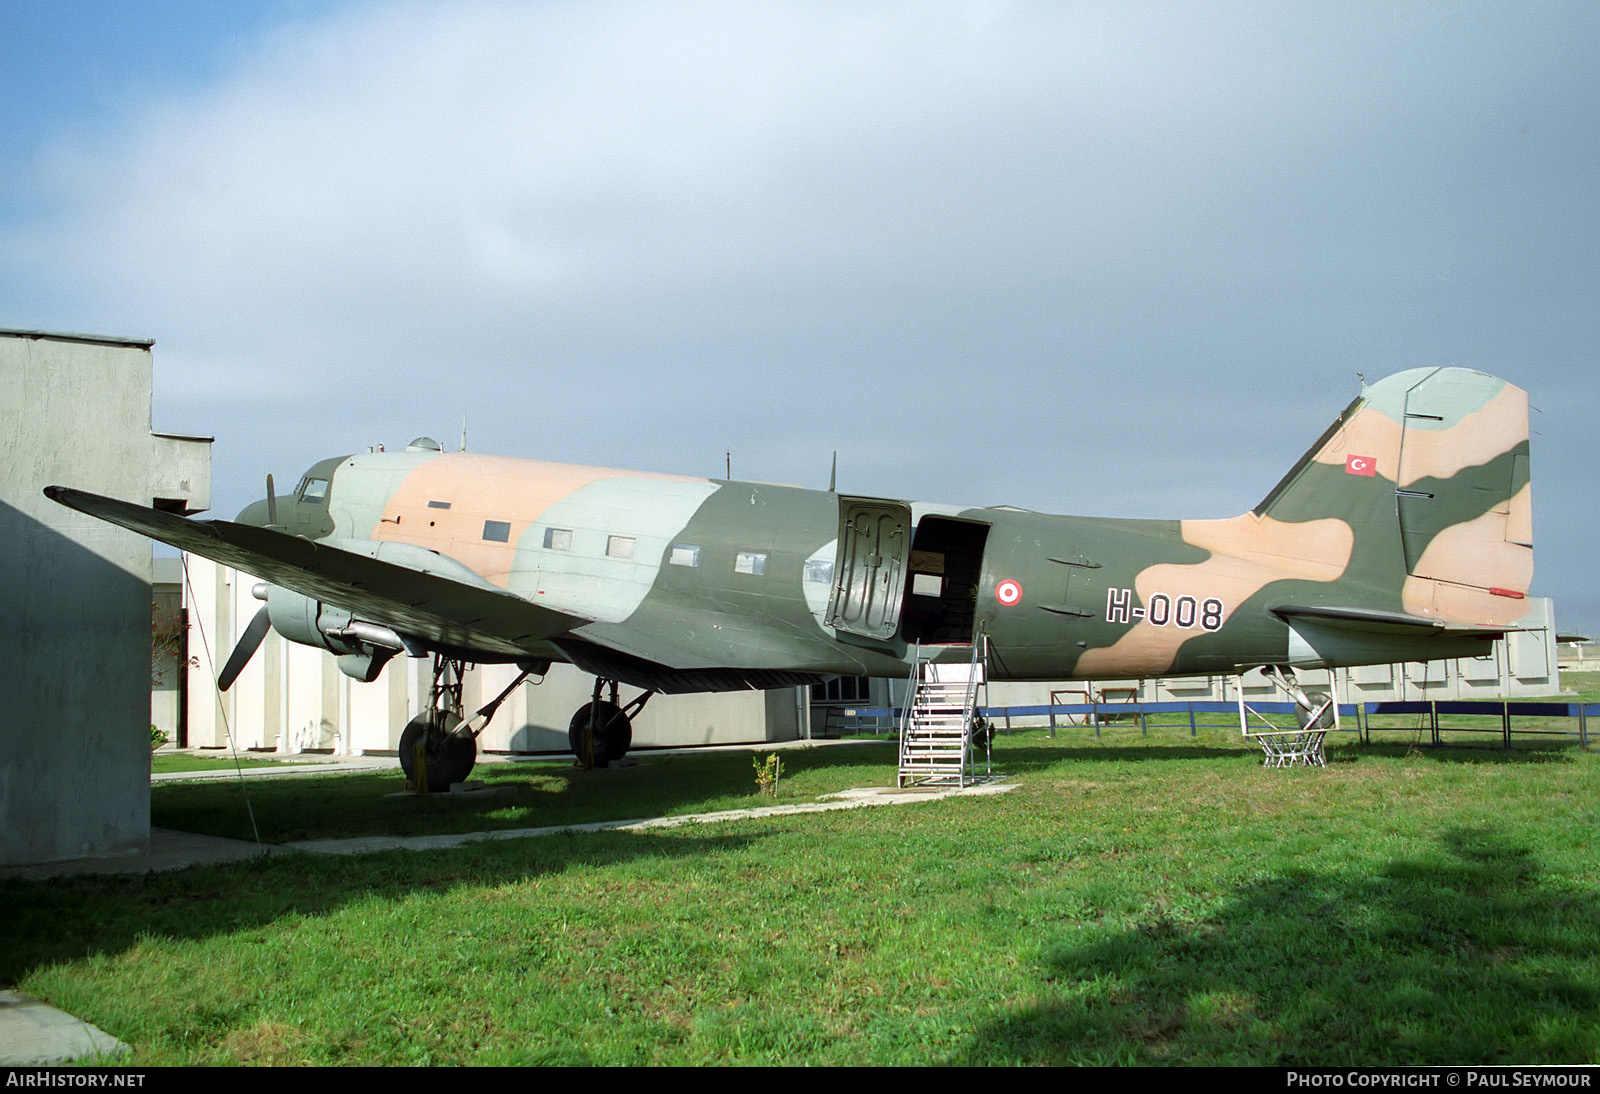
(362, 648)
(309, 622)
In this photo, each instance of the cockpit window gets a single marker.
(316, 490)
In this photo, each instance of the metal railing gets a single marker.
(1097, 715)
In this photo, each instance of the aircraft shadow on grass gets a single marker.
(65, 919)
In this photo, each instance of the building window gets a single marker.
(619, 546)
(750, 562)
(842, 689)
(497, 531)
(684, 555)
(558, 539)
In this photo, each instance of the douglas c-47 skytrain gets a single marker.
(1404, 534)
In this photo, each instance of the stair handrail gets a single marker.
(910, 701)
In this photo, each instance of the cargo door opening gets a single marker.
(941, 593)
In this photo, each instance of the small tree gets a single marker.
(167, 629)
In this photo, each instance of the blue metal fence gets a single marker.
(1096, 715)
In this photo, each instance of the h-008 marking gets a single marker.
(1162, 610)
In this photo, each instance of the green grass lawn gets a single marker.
(1138, 900)
(528, 794)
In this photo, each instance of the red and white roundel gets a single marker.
(1008, 592)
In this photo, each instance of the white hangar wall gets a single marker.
(293, 698)
(75, 600)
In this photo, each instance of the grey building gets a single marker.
(75, 601)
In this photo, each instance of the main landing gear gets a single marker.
(438, 749)
(437, 744)
(601, 732)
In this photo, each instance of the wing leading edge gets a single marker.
(447, 608)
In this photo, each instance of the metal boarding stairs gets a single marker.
(936, 725)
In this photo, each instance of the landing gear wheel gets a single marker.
(449, 759)
(982, 732)
(1324, 720)
(613, 733)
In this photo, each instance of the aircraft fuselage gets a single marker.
(721, 579)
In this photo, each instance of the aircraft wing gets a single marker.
(431, 606)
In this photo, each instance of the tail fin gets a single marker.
(1430, 469)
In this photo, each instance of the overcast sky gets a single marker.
(1123, 259)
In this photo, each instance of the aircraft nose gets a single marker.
(255, 513)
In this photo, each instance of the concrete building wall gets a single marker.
(292, 698)
(75, 601)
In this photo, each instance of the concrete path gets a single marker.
(283, 766)
(33, 1033)
(848, 799)
(168, 851)
(282, 769)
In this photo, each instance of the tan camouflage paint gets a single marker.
(1248, 552)
(481, 488)
(1495, 428)
(1464, 561)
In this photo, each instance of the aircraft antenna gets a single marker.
(833, 473)
(728, 466)
(463, 433)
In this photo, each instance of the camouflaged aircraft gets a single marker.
(1404, 534)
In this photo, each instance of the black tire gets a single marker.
(982, 733)
(449, 759)
(613, 733)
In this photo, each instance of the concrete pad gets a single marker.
(849, 799)
(293, 767)
(168, 851)
(32, 1032)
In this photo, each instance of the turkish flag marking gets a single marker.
(1360, 465)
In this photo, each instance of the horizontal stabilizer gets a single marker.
(431, 606)
(1380, 622)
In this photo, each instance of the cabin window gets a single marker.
(558, 539)
(619, 546)
(438, 505)
(819, 571)
(684, 554)
(497, 531)
(750, 562)
(315, 491)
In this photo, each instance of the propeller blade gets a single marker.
(246, 649)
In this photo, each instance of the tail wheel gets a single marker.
(1322, 704)
(449, 759)
(613, 733)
